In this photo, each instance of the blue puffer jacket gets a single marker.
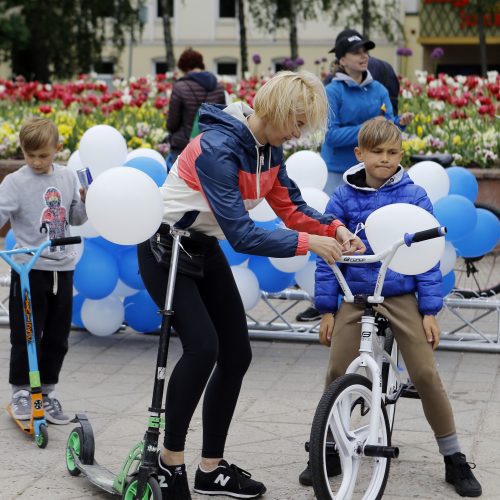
(352, 203)
(351, 104)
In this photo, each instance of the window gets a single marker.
(227, 8)
(159, 7)
(104, 67)
(160, 67)
(227, 68)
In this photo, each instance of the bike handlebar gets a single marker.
(69, 240)
(428, 234)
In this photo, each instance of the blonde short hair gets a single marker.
(378, 131)
(287, 95)
(37, 133)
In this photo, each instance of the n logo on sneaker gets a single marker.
(222, 480)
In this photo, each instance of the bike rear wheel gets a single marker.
(344, 410)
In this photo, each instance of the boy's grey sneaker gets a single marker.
(227, 480)
(21, 405)
(459, 474)
(53, 410)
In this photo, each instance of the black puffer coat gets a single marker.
(188, 93)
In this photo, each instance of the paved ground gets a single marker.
(110, 379)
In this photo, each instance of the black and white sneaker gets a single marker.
(227, 480)
(173, 481)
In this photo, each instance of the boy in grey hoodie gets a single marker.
(41, 200)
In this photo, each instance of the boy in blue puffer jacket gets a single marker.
(377, 181)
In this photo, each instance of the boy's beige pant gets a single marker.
(406, 324)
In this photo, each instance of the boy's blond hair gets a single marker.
(37, 133)
(288, 95)
(378, 131)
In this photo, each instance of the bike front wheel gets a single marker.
(344, 411)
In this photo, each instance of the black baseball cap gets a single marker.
(348, 41)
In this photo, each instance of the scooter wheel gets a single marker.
(43, 438)
(75, 443)
(152, 491)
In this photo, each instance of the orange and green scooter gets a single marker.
(37, 424)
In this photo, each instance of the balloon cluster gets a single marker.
(472, 232)
(254, 273)
(124, 208)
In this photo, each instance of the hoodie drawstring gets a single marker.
(260, 163)
(54, 286)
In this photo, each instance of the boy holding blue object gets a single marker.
(41, 200)
(380, 180)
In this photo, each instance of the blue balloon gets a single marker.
(483, 238)
(448, 283)
(141, 313)
(463, 182)
(270, 278)
(128, 267)
(234, 258)
(109, 246)
(457, 213)
(149, 166)
(76, 311)
(10, 240)
(96, 273)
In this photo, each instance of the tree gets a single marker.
(65, 38)
(12, 30)
(167, 7)
(272, 14)
(243, 38)
(379, 15)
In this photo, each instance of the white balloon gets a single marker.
(315, 198)
(75, 162)
(124, 205)
(448, 258)
(102, 317)
(147, 153)
(85, 230)
(262, 212)
(432, 177)
(386, 225)
(290, 264)
(307, 169)
(102, 147)
(122, 290)
(248, 286)
(305, 277)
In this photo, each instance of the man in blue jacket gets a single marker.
(411, 302)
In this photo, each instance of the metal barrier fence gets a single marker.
(461, 330)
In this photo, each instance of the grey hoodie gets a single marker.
(41, 207)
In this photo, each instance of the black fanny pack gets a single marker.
(192, 250)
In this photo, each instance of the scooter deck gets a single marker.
(25, 425)
(97, 474)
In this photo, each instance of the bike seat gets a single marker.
(443, 159)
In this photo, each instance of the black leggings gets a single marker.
(210, 320)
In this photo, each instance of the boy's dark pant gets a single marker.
(52, 321)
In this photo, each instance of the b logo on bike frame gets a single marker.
(28, 318)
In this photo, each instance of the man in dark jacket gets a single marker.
(188, 93)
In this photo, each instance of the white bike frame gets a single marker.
(371, 349)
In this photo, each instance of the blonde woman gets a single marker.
(234, 164)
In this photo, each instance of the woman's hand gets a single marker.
(326, 329)
(350, 243)
(329, 249)
(406, 118)
(83, 194)
(432, 330)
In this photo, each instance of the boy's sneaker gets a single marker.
(227, 480)
(173, 481)
(21, 405)
(310, 314)
(459, 474)
(53, 410)
(333, 468)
